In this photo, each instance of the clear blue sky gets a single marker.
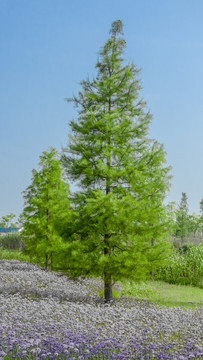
(48, 46)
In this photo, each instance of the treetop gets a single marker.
(116, 28)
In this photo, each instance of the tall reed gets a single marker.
(185, 267)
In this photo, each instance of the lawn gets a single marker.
(165, 294)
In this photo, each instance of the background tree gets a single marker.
(201, 208)
(194, 224)
(46, 206)
(6, 221)
(119, 211)
(201, 216)
(182, 223)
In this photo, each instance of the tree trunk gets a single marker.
(107, 287)
(47, 213)
(107, 250)
(47, 262)
(107, 274)
(152, 271)
(51, 261)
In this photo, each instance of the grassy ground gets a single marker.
(165, 294)
(158, 291)
(13, 254)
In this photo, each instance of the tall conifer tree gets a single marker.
(123, 179)
(47, 206)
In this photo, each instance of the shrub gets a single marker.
(12, 241)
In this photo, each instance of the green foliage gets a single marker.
(13, 254)
(186, 224)
(186, 227)
(7, 221)
(120, 222)
(182, 223)
(194, 224)
(201, 208)
(184, 248)
(12, 241)
(185, 267)
(47, 208)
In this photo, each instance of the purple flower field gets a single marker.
(48, 316)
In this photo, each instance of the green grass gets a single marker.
(159, 292)
(17, 254)
(13, 254)
(164, 294)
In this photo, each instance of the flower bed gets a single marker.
(46, 316)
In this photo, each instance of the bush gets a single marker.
(185, 267)
(184, 248)
(12, 241)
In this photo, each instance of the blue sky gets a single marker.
(48, 46)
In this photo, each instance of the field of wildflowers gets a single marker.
(45, 315)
